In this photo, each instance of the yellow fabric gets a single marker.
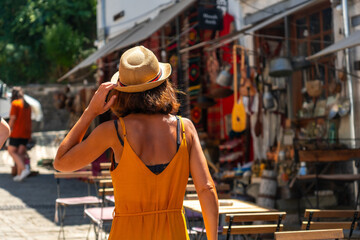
(149, 206)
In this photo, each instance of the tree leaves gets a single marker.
(41, 39)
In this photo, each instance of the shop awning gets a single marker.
(136, 34)
(252, 28)
(267, 22)
(351, 41)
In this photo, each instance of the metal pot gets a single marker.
(224, 78)
(280, 67)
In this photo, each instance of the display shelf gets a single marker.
(328, 155)
(304, 121)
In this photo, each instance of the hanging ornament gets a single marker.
(196, 114)
(194, 72)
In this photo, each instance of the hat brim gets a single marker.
(166, 71)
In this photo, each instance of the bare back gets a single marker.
(152, 137)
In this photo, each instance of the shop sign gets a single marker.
(210, 18)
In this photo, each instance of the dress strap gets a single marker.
(123, 126)
(183, 127)
(178, 142)
(117, 132)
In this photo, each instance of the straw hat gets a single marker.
(139, 70)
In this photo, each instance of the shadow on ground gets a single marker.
(40, 192)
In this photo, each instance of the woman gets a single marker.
(20, 125)
(154, 151)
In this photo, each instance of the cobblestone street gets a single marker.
(27, 208)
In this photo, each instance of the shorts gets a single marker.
(16, 142)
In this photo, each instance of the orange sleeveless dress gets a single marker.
(149, 206)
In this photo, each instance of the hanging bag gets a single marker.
(238, 116)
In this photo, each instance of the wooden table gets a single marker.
(326, 157)
(228, 206)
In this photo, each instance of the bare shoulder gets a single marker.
(106, 126)
(190, 130)
(105, 130)
(189, 126)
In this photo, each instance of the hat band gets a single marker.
(157, 77)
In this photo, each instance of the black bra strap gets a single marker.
(117, 132)
(178, 142)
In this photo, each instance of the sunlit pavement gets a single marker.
(27, 208)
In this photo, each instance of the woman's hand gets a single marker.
(98, 104)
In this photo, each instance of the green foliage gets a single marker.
(41, 39)
(62, 44)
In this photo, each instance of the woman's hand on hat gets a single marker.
(98, 104)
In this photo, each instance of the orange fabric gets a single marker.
(22, 124)
(149, 206)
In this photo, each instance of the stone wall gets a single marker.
(54, 119)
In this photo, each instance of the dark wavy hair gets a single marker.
(18, 93)
(161, 99)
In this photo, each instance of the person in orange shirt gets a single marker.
(20, 125)
(154, 152)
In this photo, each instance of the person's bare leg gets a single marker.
(22, 151)
(13, 151)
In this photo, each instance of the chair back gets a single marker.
(105, 188)
(252, 218)
(83, 173)
(223, 191)
(330, 219)
(310, 234)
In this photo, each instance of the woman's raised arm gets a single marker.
(74, 154)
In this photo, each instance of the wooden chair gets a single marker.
(100, 216)
(103, 177)
(61, 203)
(192, 217)
(223, 191)
(345, 219)
(104, 174)
(310, 234)
(190, 193)
(254, 228)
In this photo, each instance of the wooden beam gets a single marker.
(105, 165)
(106, 191)
(252, 229)
(310, 234)
(329, 155)
(330, 213)
(105, 173)
(327, 225)
(105, 183)
(248, 217)
(80, 174)
(190, 188)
